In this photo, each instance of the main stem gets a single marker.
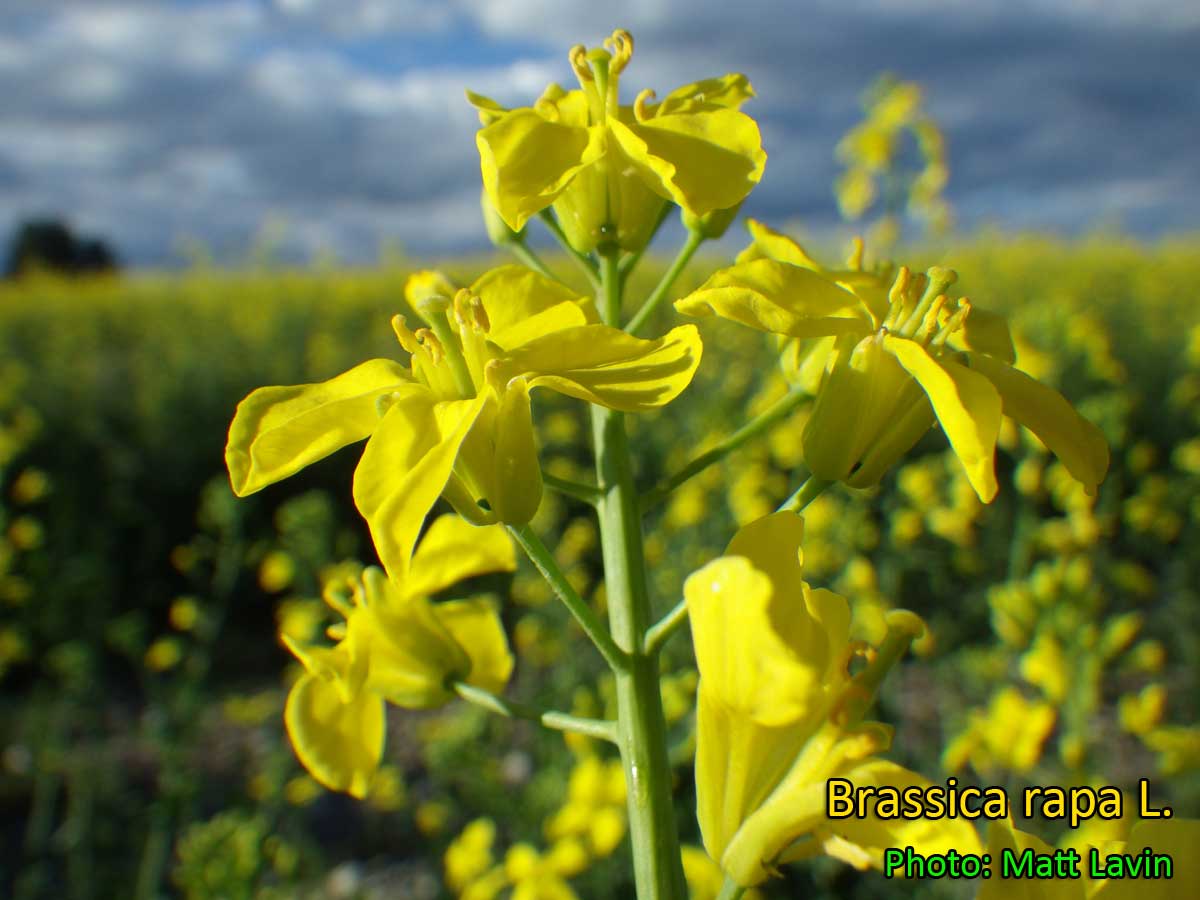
(641, 726)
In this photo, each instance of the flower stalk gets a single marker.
(543, 559)
(654, 301)
(641, 725)
(601, 729)
(777, 412)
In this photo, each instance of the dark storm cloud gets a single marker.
(156, 121)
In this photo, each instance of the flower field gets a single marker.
(143, 672)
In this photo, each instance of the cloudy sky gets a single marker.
(342, 122)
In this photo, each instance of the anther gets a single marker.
(404, 334)
(469, 311)
(431, 345)
(897, 298)
(639, 104)
(579, 62)
(929, 324)
(953, 323)
(621, 45)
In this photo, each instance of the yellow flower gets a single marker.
(779, 714)
(164, 654)
(899, 359)
(536, 876)
(396, 646)
(469, 855)
(607, 169)
(184, 613)
(458, 421)
(1009, 736)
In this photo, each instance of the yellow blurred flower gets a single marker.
(30, 486)
(276, 571)
(163, 654)
(469, 855)
(184, 613)
(1008, 736)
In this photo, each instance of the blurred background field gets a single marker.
(142, 679)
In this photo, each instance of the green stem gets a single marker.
(752, 429)
(630, 262)
(588, 493)
(642, 727)
(686, 252)
(660, 632)
(585, 262)
(812, 488)
(602, 729)
(587, 619)
(531, 259)
(730, 890)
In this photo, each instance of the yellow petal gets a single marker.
(772, 544)
(966, 404)
(522, 304)
(339, 743)
(703, 161)
(738, 763)
(405, 653)
(527, 161)
(405, 467)
(793, 807)
(476, 626)
(745, 662)
(771, 244)
(729, 91)
(778, 298)
(453, 550)
(277, 431)
(606, 366)
(1044, 411)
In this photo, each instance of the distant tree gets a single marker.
(49, 244)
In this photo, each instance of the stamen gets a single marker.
(404, 335)
(953, 323)
(621, 45)
(936, 280)
(929, 324)
(579, 62)
(431, 345)
(469, 312)
(897, 297)
(639, 105)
